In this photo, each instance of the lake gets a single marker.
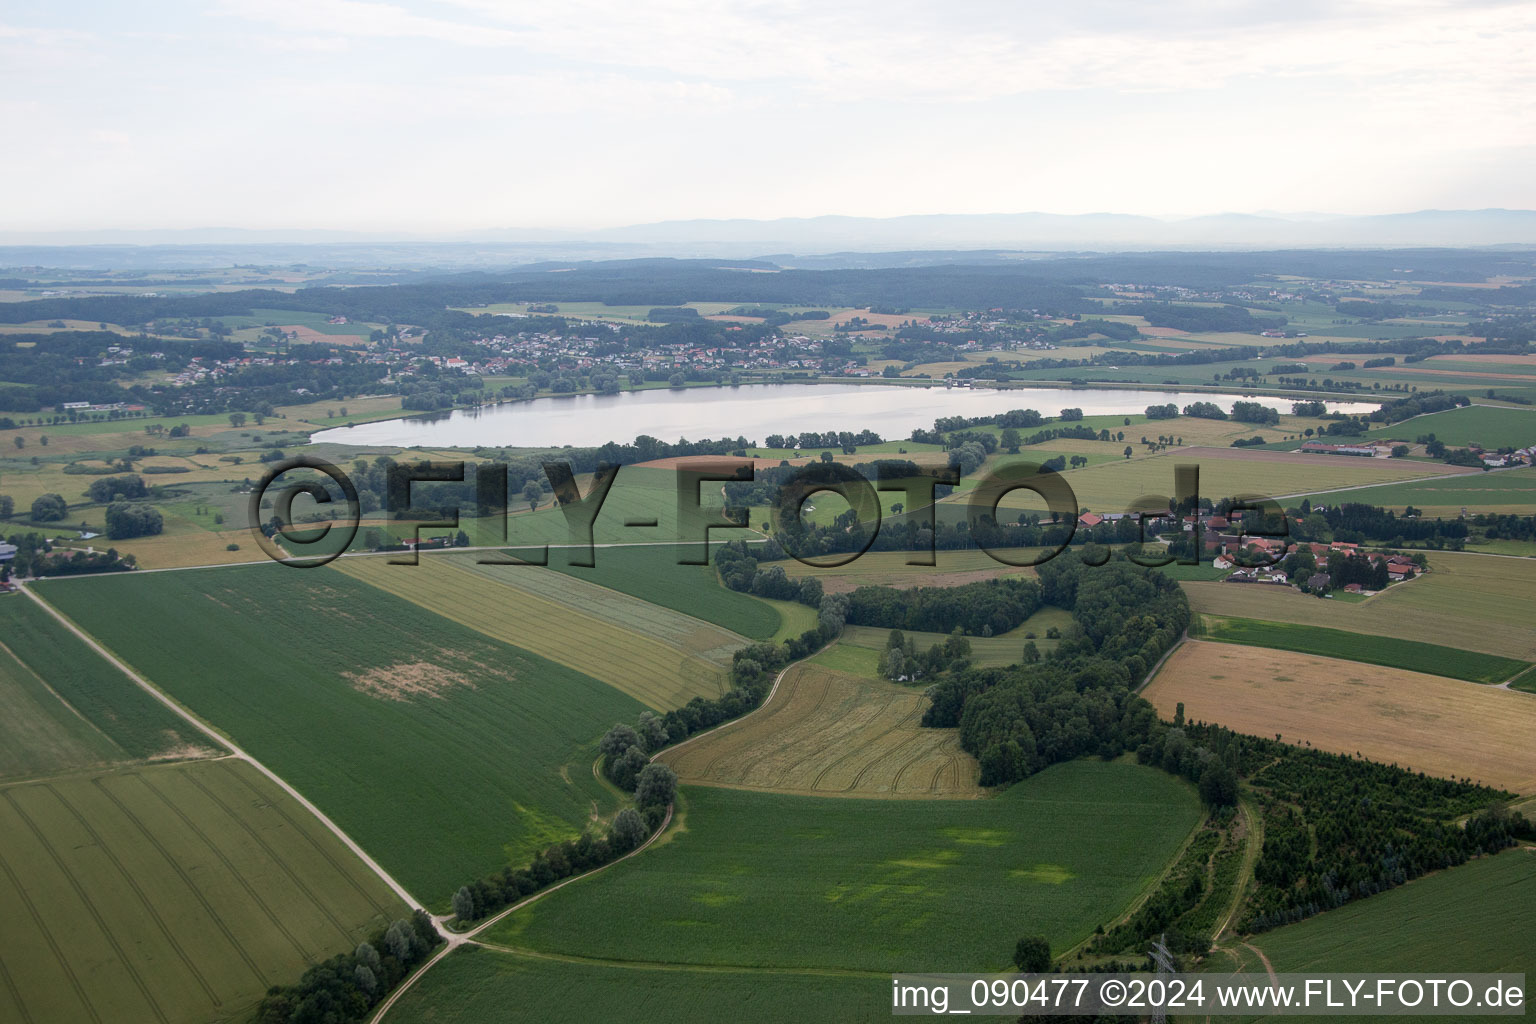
(753, 411)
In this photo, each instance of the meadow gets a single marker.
(986, 651)
(443, 752)
(1467, 601)
(1428, 723)
(476, 985)
(54, 682)
(768, 880)
(175, 893)
(651, 653)
(1392, 652)
(652, 573)
(1470, 918)
(829, 733)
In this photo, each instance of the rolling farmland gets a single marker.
(1427, 723)
(828, 733)
(1474, 602)
(175, 893)
(1374, 650)
(760, 879)
(652, 653)
(443, 752)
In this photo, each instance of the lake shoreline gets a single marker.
(669, 409)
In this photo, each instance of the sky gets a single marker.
(461, 115)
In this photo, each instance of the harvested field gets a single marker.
(651, 653)
(829, 733)
(1427, 723)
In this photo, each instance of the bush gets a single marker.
(125, 520)
(49, 508)
(116, 488)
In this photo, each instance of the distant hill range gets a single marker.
(787, 241)
(1094, 231)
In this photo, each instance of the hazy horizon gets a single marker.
(442, 117)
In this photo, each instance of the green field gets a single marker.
(1492, 427)
(1373, 650)
(441, 751)
(175, 893)
(475, 986)
(1505, 490)
(1470, 918)
(652, 573)
(1525, 681)
(764, 880)
(40, 734)
(53, 685)
(651, 653)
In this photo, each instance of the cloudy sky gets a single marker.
(452, 115)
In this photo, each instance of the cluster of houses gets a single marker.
(594, 350)
(1399, 567)
(1223, 547)
(1495, 460)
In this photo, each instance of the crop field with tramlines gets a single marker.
(172, 893)
(1431, 724)
(829, 733)
(652, 653)
(1469, 601)
(764, 879)
(442, 751)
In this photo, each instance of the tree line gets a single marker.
(348, 986)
